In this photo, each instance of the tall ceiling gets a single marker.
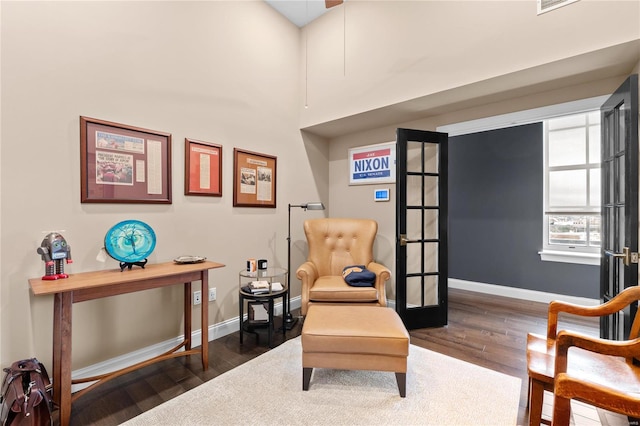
(300, 12)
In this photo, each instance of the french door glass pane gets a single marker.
(414, 157)
(414, 258)
(431, 158)
(430, 191)
(419, 295)
(414, 190)
(414, 295)
(431, 290)
(619, 179)
(416, 226)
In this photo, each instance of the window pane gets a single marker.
(594, 144)
(568, 188)
(594, 188)
(594, 117)
(567, 230)
(594, 231)
(567, 147)
(567, 121)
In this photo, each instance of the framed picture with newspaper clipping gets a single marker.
(123, 164)
(254, 179)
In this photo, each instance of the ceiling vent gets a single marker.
(547, 5)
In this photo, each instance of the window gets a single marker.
(572, 186)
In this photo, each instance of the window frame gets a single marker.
(570, 253)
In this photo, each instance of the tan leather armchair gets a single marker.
(333, 244)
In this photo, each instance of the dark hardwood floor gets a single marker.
(485, 330)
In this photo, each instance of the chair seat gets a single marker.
(589, 366)
(333, 288)
(540, 358)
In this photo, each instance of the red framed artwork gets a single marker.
(203, 168)
(254, 179)
(123, 164)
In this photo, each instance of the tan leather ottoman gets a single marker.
(348, 337)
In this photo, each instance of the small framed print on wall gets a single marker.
(123, 164)
(254, 179)
(203, 168)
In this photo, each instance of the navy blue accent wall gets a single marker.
(495, 215)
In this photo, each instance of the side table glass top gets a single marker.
(273, 282)
(264, 274)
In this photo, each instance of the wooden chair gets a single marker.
(541, 350)
(612, 382)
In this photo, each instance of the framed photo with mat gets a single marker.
(203, 168)
(123, 164)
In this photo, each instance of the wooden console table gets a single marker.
(95, 285)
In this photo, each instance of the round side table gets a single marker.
(270, 276)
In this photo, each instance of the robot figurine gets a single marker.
(53, 250)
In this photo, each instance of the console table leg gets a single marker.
(187, 315)
(205, 320)
(62, 354)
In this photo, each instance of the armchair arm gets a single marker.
(622, 300)
(382, 275)
(307, 273)
(566, 339)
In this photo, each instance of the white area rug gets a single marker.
(268, 391)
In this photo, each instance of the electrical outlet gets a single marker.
(197, 297)
(212, 294)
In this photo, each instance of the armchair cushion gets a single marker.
(332, 288)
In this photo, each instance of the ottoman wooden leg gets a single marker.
(306, 377)
(401, 378)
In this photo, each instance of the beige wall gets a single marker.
(217, 71)
(376, 53)
(235, 73)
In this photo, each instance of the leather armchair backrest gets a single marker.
(335, 243)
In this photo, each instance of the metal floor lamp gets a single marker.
(289, 320)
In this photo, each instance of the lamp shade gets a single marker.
(313, 206)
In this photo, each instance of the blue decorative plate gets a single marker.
(130, 241)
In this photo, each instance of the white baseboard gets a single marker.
(519, 293)
(215, 331)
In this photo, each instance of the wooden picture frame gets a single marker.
(203, 168)
(123, 164)
(254, 179)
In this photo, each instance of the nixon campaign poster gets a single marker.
(372, 164)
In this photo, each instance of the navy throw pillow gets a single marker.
(358, 276)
